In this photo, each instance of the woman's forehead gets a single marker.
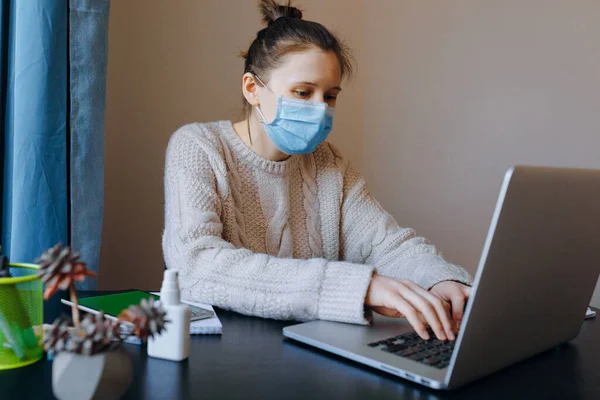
(314, 65)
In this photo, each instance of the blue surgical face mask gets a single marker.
(299, 126)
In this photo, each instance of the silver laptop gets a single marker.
(537, 272)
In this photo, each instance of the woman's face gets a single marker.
(313, 75)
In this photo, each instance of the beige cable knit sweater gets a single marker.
(295, 239)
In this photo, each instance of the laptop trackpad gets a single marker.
(351, 335)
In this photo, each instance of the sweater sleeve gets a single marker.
(370, 235)
(214, 271)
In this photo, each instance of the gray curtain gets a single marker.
(88, 49)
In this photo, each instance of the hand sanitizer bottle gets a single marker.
(174, 343)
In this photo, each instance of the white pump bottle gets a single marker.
(174, 343)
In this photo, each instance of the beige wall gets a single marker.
(447, 96)
(171, 63)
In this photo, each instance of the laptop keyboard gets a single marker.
(435, 353)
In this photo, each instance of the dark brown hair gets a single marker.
(287, 32)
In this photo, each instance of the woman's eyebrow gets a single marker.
(314, 84)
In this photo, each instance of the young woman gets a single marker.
(266, 218)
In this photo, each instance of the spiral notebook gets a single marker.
(112, 304)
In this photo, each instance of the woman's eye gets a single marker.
(330, 98)
(302, 93)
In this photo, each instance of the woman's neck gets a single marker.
(253, 134)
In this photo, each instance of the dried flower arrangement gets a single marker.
(59, 269)
(97, 333)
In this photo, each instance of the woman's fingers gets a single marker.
(423, 305)
(466, 290)
(411, 314)
(437, 308)
(398, 297)
(459, 302)
(447, 306)
(458, 308)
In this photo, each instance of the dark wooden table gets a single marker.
(252, 360)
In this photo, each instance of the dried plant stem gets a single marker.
(75, 306)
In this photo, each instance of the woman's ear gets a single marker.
(249, 89)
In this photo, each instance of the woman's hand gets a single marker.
(403, 298)
(453, 293)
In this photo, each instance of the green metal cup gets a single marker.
(21, 317)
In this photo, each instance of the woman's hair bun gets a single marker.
(271, 11)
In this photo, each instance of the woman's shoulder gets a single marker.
(199, 136)
(203, 133)
(198, 146)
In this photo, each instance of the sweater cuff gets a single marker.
(444, 272)
(343, 291)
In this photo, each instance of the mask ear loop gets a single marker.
(260, 80)
(257, 108)
(261, 114)
(249, 134)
